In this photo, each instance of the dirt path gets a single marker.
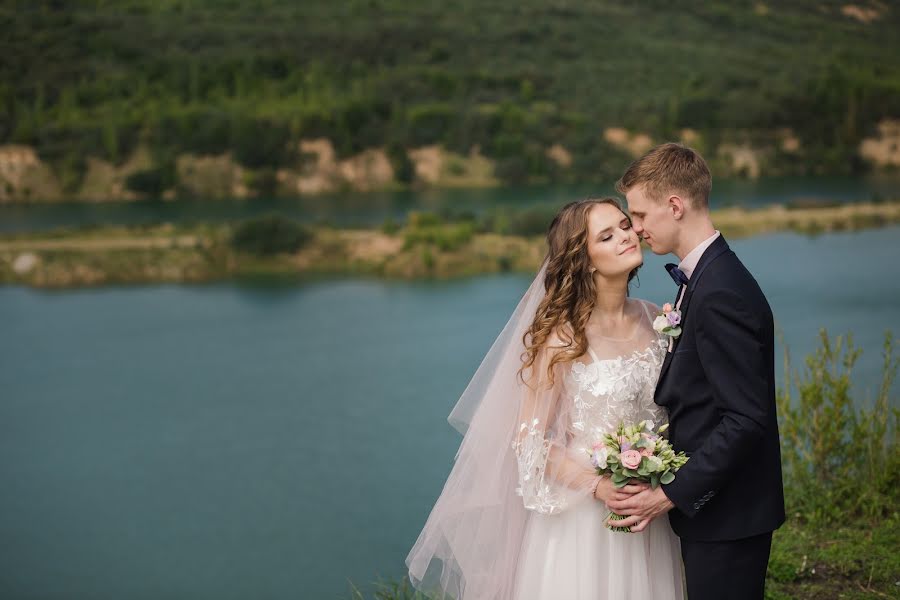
(184, 241)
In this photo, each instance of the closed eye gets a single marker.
(625, 226)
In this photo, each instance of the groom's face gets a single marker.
(652, 220)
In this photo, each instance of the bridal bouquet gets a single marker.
(636, 453)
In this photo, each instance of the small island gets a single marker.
(427, 245)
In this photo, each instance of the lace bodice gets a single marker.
(607, 392)
(614, 384)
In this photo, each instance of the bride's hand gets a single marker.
(606, 491)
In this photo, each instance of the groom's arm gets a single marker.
(730, 347)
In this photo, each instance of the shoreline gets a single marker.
(420, 249)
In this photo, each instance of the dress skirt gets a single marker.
(571, 555)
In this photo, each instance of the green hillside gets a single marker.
(81, 79)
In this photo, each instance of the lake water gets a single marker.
(230, 441)
(356, 209)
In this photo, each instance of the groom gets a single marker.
(717, 383)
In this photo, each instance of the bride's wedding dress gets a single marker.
(516, 519)
(566, 550)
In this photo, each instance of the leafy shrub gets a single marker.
(268, 235)
(419, 218)
(404, 169)
(389, 226)
(428, 123)
(841, 460)
(263, 181)
(431, 228)
(445, 237)
(524, 222)
(152, 182)
(260, 144)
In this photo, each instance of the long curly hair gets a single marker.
(570, 288)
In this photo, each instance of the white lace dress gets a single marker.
(567, 552)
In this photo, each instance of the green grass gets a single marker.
(852, 560)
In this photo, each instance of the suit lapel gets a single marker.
(716, 249)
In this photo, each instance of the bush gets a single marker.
(391, 590)
(429, 123)
(262, 181)
(268, 235)
(445, 237)
(152, 182)
(512, 170)
(404, 169)
(418, 218)
(389, 226)
(258, 144)
(532, 221)
(840, 460)
(525, 222)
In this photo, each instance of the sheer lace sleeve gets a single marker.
(551, 474)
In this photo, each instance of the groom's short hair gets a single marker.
(670, 168)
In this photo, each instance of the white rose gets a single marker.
(600, 457)
(660, 323)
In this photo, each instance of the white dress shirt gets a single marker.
(689, 262)
(687, 265)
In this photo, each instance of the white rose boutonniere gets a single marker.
(668, 321)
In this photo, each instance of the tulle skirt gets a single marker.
(573, 556)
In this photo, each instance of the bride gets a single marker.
(522, 515)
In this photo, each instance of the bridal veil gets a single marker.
(513, 458)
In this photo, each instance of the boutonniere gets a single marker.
(668, 321)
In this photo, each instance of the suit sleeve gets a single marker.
(732, 354)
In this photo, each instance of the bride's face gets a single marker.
(613, 246)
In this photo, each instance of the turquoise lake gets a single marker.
(232, 441)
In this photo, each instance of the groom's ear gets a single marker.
(676, 206)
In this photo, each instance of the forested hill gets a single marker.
(544, 89)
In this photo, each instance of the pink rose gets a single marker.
(646, 452)
(631, 459)
(667, 307)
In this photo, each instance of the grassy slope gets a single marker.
(96, 77)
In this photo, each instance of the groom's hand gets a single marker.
(640, 509)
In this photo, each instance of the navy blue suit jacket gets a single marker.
(718, 385)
